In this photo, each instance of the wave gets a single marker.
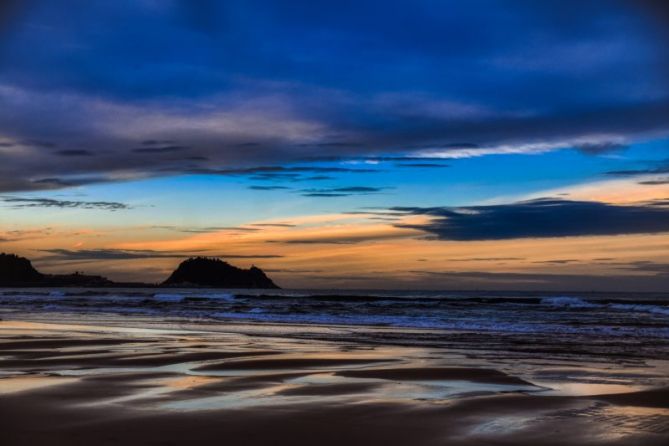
(654, 309)
(620, 305)
(632, 316)
(568, 302)
(168, 297)
(176, 297)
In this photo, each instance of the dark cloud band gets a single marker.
(539, 219)
(18, 202)
(117, 254)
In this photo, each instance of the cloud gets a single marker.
(325, 194)
(558, 261)
(591, 144)
(294, 271)
(157, 142)
(321, 241)
(200, 79)
(159, 149)
(357, 189)
(318, 178)
(10, 10)
(106, 128)
(273, 225)
(268, 187)
(289, 177)
(344, 238)
(657, 167)
(539, 219)
(55, 183)
(26, 234)
(282, 173)
(543, 281)
(655, 182)
(19, 203)
(74, 152)
(208, 229)
(106, 254)
(227, 228)
(342, 191)
(279, 170)
(650, 267)
(122, 254)
(486, 259)
(39, 143)
(601, 148)
(423, 165)
(382, 218)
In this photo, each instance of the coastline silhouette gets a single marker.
(195, 272)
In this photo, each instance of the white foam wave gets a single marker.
(164, 297)
(654, 309)
(568, 302)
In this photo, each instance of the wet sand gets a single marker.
(104, 385)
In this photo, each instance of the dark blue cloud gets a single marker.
(654, 168)
(348, 79)
(342, 191)
(255, 187)
(19, 202)
(284, 173)
(159, 149)
(185, 48)
(539, 219)
(74, 152)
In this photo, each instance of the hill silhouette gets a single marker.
(16, 271)
(212, 272)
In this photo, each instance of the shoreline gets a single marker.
(480, 343)
(123, 385)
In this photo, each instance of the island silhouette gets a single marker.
(215, 273)
(195, 272)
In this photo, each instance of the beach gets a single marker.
(350, 223)
(142, 381)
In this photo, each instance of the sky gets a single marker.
(424, 144)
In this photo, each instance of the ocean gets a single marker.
(620, 324)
